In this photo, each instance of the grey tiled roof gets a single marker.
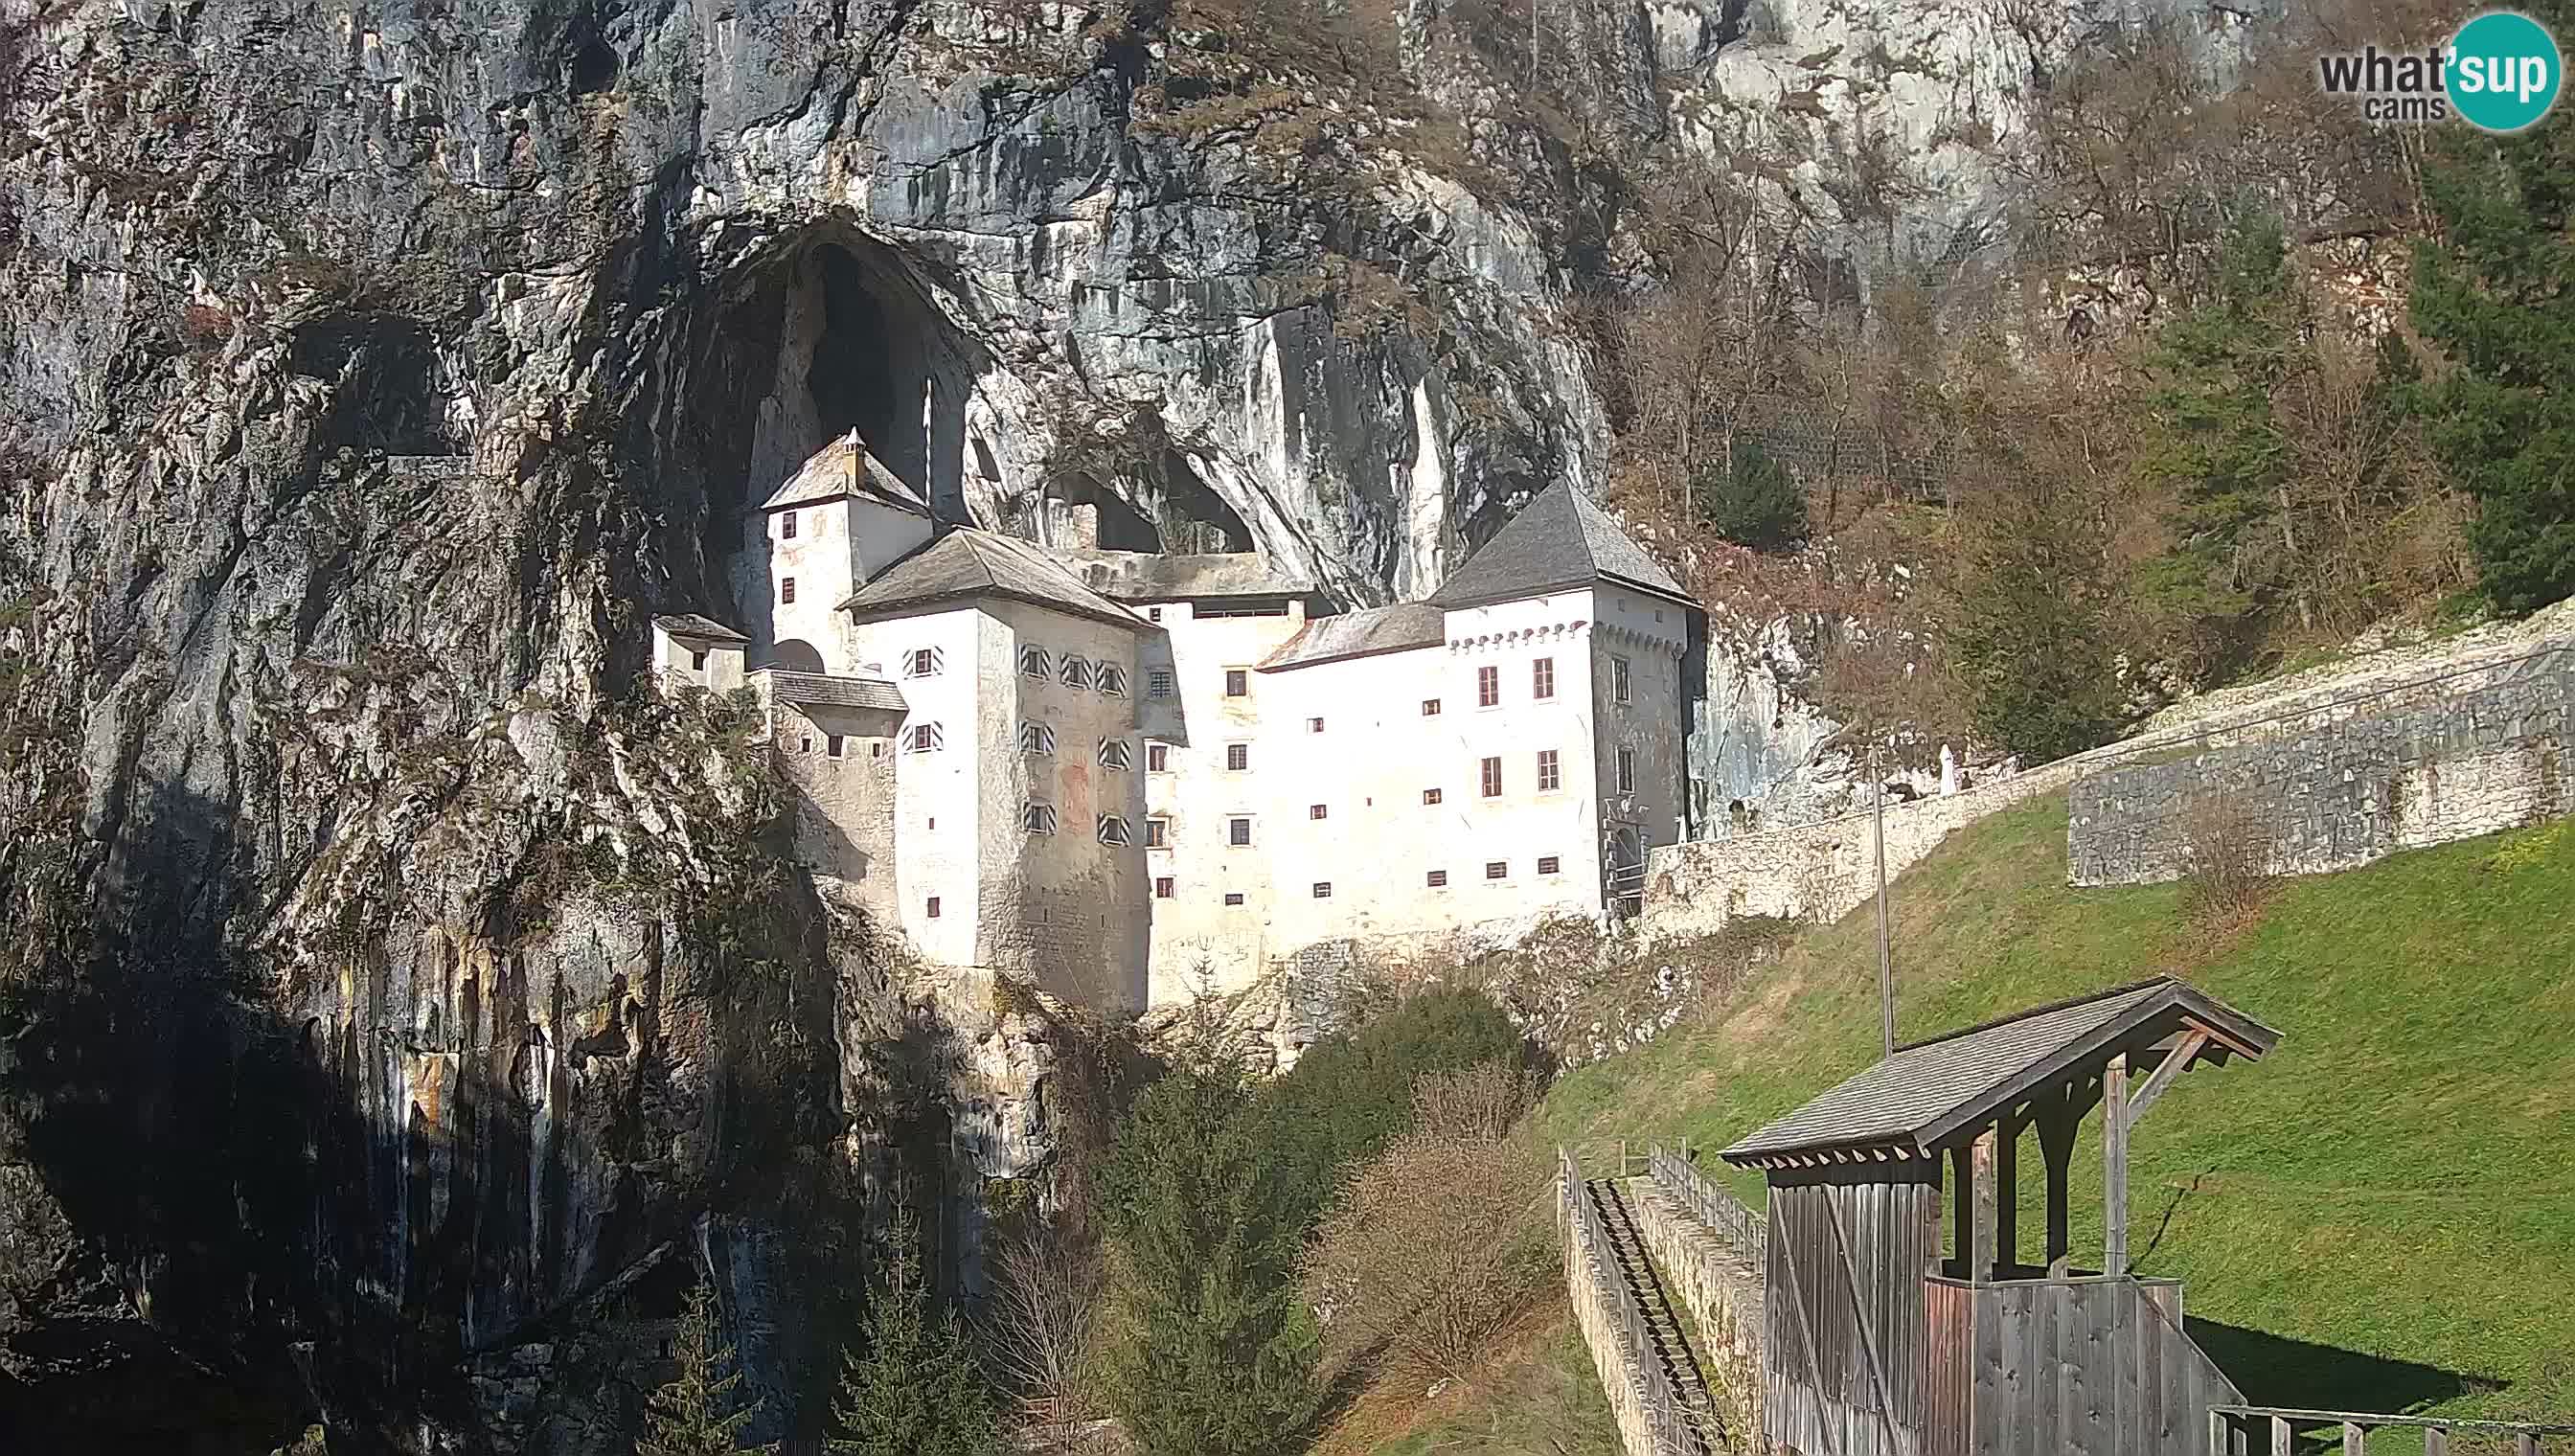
(1135, 576)
(969, 564)
(1930, 1089)
(689, 624)
(1557, 542)
(824, 690)
(843, 468)
(1361, 633)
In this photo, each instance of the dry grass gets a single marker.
(2232, 851)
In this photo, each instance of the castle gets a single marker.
(1134, 779)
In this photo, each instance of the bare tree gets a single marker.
(1043, 1323)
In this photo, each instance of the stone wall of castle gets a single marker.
(2342, 787)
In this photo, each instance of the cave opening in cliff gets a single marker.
(876, 359)
(386, 384)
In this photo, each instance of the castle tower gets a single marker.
(840, 519)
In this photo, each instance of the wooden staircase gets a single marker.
(1666, 1334)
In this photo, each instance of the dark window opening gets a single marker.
(1322, 890)
(786, 527)
(1234, 898)
(697, 661)
(1163, 888)
(1547, 865)
(1496, 868)
(1492, 777)
(1237, 682)
(1437, 879)
(787, 589)
(1237, 832)
(933, 907)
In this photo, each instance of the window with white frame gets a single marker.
(923, 738)
(1158, 758)
(925, 662)
(1035, 737)
(1158, 834)
(1542, 679)
(1114, 754)
(1112, 830)
(1237, 832)
(1488, 686)
(1113, 679)
(1037, 818)
(1035, 662)
(1618, 679)
(1075, 671)
(1237, 758)
(1492, 777)
(1550, 777)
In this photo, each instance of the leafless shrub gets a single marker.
(1043, 1321)
(2231, 857)
(1435, 1244)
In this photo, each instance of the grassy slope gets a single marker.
(2379, 1215)
(1537, 1396)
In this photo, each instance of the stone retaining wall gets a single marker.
(2344, 785)
(1622, 1381)
(1721, 1286)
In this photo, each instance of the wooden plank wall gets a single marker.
(2088, 1367)
(1843, 1315)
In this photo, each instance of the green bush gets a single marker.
(913, 1387)
(1750, 499)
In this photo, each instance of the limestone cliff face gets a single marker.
(398, 999)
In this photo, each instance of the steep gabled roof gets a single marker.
(1931, 1090)
(844, 467)
(1557, 542)
(967, 565)
(1393, 628)
(689, 624)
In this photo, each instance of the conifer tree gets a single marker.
(2496, 292)
(913, 1387)
(695, 1413)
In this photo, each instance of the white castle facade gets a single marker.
(1134, 779)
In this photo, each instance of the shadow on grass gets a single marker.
(2275, 1370)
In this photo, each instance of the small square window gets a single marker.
(1542, 679)
(1431, 795)
(1035, 737)
(786, 527)
(1237, 757)
(1317, 811)
(1039, 818)
(832, 746)
(1546, 863)
(1437, 879)
(1113, 679)
(1237, 682)
(1237, 832)
(933, 907)
(805, 743)
(697, 661)
(1114, 754)
(1430, 708)
(1154, 613)
(1314, 724)
(1618, 678)
(1322, 890)
(1496, 868)
(1492, 777)
(1627, 770)
(923, 737)
(1549, 779)
(1163, 888)
(787, 589)
(1077, 672)
(1488, 686)
(1158, 834)
(1114, 830)
(1158, 683)
(924, 662)
(1157, 759)
(1234, 898)
(1036, 662)
(876, 749)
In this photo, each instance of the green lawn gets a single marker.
(2379, 1215)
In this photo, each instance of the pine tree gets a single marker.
(695, 1413)
(2496, 292)
(1220, 1355)
(913, 1387)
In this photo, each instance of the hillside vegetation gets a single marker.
(2379, 1215)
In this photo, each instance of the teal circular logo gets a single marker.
(2502, 71)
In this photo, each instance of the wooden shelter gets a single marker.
(1882, 1338)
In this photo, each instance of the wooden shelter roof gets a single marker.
(1917, 1099)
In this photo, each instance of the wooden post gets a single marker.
(2526, 1443)
(2281, 1444)
(2436, 1441)
(2218, 1444)
(2007, 1194)
(1987, 1223)
(1963, 1213)
(2114, 1168)
(2355, 1441)
(2056, 1152)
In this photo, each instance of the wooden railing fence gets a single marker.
(1715, 1204)
(1672, 1424)
(2269, 1430)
